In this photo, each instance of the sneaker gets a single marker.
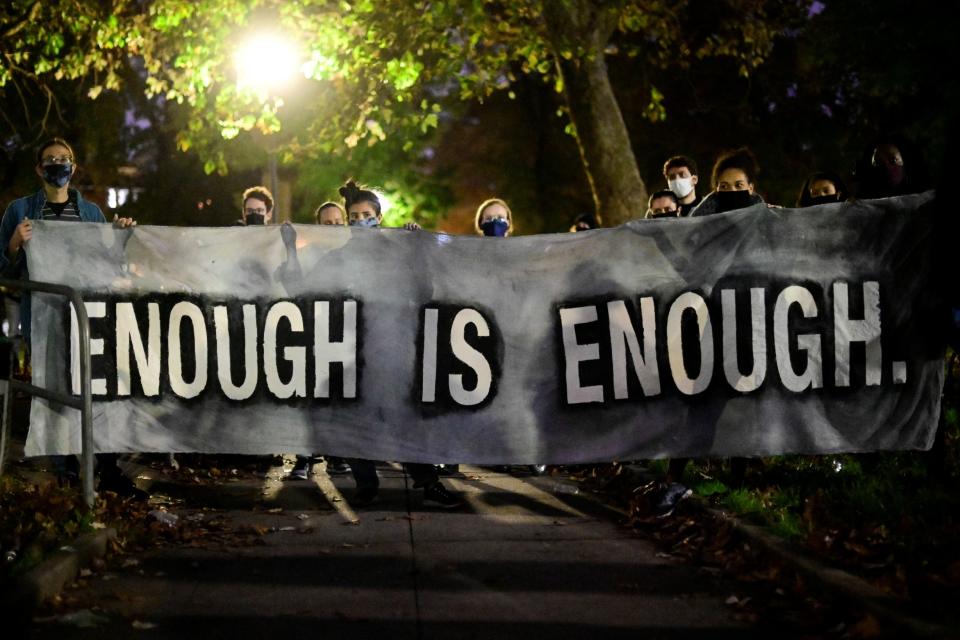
(448, 469)
(538, 469)
(437, 495)
(364, 496)
(672, 495)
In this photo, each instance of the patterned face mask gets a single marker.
(57, 174)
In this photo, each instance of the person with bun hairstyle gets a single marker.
(364, 209)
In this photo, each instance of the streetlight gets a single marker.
(267, 63)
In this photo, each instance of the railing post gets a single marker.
(84, 404)
(86, 410)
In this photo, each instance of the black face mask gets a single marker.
(731, 200)
(828, 199)
(255, 218)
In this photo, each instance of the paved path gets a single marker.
(526, 559)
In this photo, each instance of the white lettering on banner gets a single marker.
(431, 317)
(193, 313)
(147, 358)
(623, 340)
(744, 383)
(575, 353)
(812, 374)
(603, 359)
(221, 326)
(695, 302)
(98, 386)
(866, 331)
(326, 351)
(297, 356)
(470, 357)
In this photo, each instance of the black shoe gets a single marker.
(672, 495)
(364, 496)
(448, 469)
(437, 495)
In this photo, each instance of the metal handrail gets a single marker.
(84, 403)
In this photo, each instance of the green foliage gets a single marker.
(378, 68)
(389, 169)
(710, 488)
(743, 502)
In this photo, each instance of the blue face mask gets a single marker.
(369, 223)
(495, 228)
(57, 175)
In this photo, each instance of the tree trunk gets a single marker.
(583, 28)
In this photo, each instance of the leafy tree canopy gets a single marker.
(369, 68)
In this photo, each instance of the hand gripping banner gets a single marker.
(755, 332)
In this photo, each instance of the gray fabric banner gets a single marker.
(755, 332)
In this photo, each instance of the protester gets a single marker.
(680, 172)
(257, 206)
(364, 210)
(889, 167)
(327, 214)
(663, 204)
(584, 222)
(493, 218)
(822, 187)
(57, 200)
(331, 213)
(733, 178)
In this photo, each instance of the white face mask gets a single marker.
(681, 186)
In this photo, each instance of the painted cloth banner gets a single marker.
(754, 332)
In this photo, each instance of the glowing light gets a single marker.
(267, 62)
(385, 201)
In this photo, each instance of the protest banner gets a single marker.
(755, 332)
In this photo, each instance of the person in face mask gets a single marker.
(891, 166)
(734, 174)
(493, 219)
(56, 201)
(680, 172)
(257, 206)
(663, 204)
(822, 187)
(364, 210)
(362, 205)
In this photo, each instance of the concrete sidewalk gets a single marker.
(528, 557)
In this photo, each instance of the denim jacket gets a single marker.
(19, 210)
